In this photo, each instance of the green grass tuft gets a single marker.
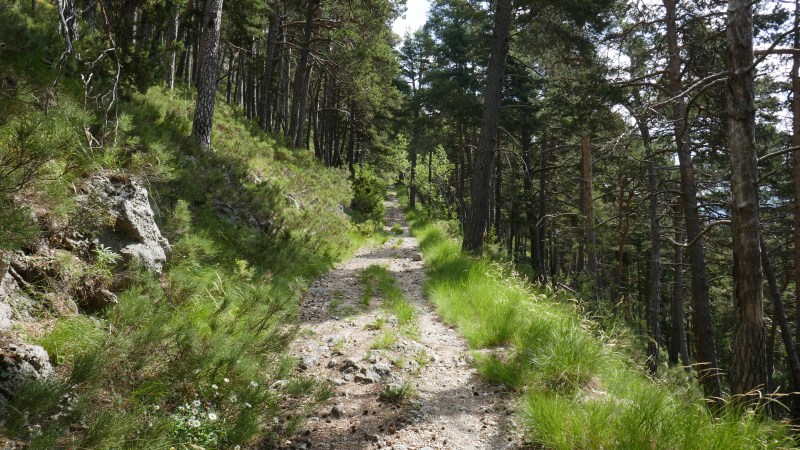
(577, 391)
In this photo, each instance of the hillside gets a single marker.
(245, 224)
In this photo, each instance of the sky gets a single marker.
(414, 18)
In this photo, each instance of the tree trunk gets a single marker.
(587, 195)
(351, 143)
(301, 79)
(655, 270)
(786, 333)
(537, 264)
(207, 82)
(172, 39)
(748, 364)
(796, 162)
(269, 68)
(477, 224)
(678, 347)
(544, 175)
(702, 321)
(283, 87)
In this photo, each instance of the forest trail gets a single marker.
(453, 408)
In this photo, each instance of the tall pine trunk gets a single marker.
(678, 348)
(705, 343)
(779, 312)
(172, 39)
(269, 68)
(301, 79)
(749, 363)
(477, 224)
(796, 162)
(207, 80)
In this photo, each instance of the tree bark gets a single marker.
(269, 68)
(779, 312)
(587, 176)
(172, 39)
(477, 224)
(207, 82)
(301, 79)
(655, 270)
(749, 365)
(796, 162)
(678, 347)
(705, 343)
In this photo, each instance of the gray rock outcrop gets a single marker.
(21, 362)
(134, 234)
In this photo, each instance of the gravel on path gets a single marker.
(453, 407)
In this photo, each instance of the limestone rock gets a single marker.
(307, 362)
(134, 234)
(20, 362)
(416, 256)
(350, 365)
(6, 315)
(14, 305)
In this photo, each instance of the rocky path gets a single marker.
(451, 408)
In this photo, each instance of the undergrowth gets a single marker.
(191, 358)
(578, 387)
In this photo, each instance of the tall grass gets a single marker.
(577, 387)
(251, 225)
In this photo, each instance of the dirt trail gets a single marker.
(453, 409)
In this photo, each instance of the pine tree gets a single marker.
(207, 82)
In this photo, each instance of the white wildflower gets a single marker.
(234, 398)
(254, 384)
(247, 405)
(238, 447)
(196, 403)
(226, 380)
(212, 416)
(214, 387)
(194, 423)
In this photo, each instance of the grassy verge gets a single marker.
(577, 388)
(194, 358)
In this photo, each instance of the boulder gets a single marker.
(21, 362)
(14, 305)
(6, 316)
(134, 233)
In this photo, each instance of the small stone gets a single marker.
(399, 447)
(367, 378)
(382, 369)
(337, 412)
(331, 363)
(350, 365)
(416, 256)
(307, 362)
